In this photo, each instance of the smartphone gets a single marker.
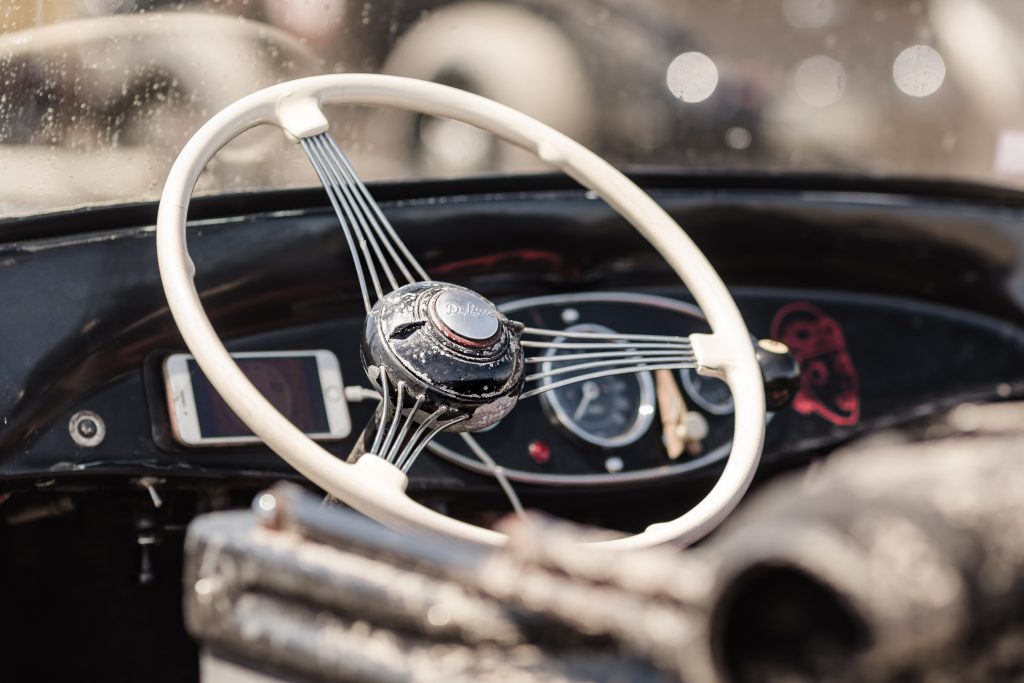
(305, 386)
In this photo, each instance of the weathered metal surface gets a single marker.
(900, 560)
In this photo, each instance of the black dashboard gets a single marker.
(897, 306)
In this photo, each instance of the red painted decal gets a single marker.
(493, 260)
(829, 386)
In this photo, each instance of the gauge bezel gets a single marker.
(641, 423)
(686, 378)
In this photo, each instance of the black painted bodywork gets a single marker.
(924, 287)
(920, 278)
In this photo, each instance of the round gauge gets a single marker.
(709, 393)
(609, 411)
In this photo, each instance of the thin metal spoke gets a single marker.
(409, 419)
(398, 456)
(411, 458)
(587, 346)
(499, 474)
(352, 210)
(574, 367)
(570, 334)
(371, 213)
(314, 159)
(384, 405)
(607, 373)
(393, 428)
(605, 353)
(356, 229)
(383, 221)
(392, 443)
(598, 355)
(411, 443)
(382, 261)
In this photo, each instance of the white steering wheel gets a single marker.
(374, 485)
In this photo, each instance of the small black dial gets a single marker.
(709, 393)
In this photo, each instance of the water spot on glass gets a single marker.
(919, 71)
(647, 122)
(104, 7)
(820, 81)
(692, 77)
(456, 146)
(738, 137)
(1009, 158)
(808, 13)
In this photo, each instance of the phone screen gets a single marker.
(292, 385)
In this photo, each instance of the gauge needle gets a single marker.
(590, 392)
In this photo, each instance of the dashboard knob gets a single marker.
(780, 371)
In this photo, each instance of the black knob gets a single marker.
(780, 371)
(88, 428)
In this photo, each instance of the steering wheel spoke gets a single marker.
(378, 253)
(395, 441)
(558, 358)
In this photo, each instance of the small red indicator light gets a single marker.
(539, 451)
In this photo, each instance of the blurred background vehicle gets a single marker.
(109, 89)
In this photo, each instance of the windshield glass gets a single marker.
(98, 96)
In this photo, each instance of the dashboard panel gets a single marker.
(881, 341)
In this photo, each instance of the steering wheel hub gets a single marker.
(448, 345)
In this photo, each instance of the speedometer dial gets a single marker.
(710, 393)
(609, 411)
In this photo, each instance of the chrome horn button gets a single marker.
(448, 346)
(465, 317)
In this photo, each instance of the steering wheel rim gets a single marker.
(370, 485)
